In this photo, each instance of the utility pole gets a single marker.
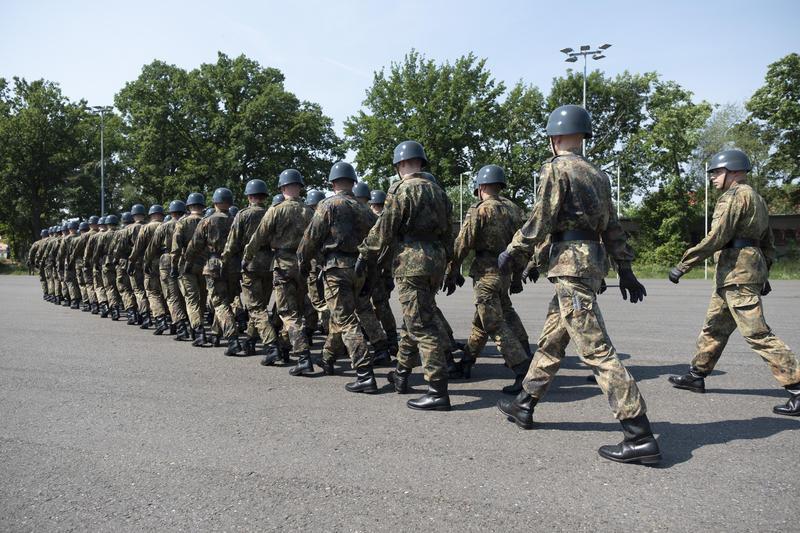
(101, 111)
(585, 51)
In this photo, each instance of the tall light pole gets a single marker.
(102, 110)
(585, 51)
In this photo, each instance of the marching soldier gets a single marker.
(157, 309)
(108, 296)
(70, 278)
(91, 272)
(158, 261)
(133, 269)
(116, 270)
(194, 292)
(76, 257)
(316, 290)
(33, 262)
(741, 242)
(384, 283)
(416, 219)
(575, 210)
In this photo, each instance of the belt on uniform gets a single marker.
(420, 238)
(575, 235)
(742, 243)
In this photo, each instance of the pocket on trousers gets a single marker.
(743, 301)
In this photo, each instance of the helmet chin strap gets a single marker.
(553, 146)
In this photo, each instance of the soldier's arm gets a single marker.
(261, 235)
(197, 244)
(723, 228)
(233, 246)
(382, 235)
(465, 240)
(768, 247)
(540, 224)
(137, 251)
(153, 247)
(315, 232)
(615, 241)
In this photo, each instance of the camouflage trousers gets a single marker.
(80, 276)
(110, 283)
(256, 292)
(152, 287)
(381, 293)
(573, 314)
(424, 339)
(317, 300)
(493, 309)
(194, 295)
(71, 281)
(220, 296)
(99, 285)
(124, 286)
(139, 289)
(43, 279)
(290, 296)
(88, 279)
(739, 307)
(342, 288)
(171, 290)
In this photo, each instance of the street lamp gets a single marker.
(101, 111)
(585, 50)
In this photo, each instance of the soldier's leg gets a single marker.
(192, 295)
(744, 302)
(515, 323)
(318, 302)
(552, 348)
(383, 312)
(371, 326)
(256, 291)
(74, 290)
(139, 291)
(112, 294)
(219, 290)
(152, 288)
(289, 296)
(717, 328)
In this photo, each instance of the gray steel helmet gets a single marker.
(732, 160)
(101, 221)
(138, 209)
(112, 220)
(491, 174)
(232, 210)
(195, 198)
(361, 190)
(255, 187)
(73, 224)
(290, 176)
(127, 218)
(569, 119)
(177, 206)
(94, 219)
(377, 197)
(342, 170)
(278, 198)
(83, 226)
(314, 197)
(44, 233)
(155, 208)
(64, 229)
(409, 150)
(222, 196)
(167, 218)
(208, 212)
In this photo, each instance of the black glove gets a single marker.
(516, 286)
(361, 266)
(675, 275)
(389, 284)
(504, 261)
(530, 273)
(603, 287)
(460, 279)
(449, 285)
(131, 269)
(173, 273)
(628, 284)
(321, 284)
(366, 289)
(767, 289)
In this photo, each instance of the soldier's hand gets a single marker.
(531, 273)
(675, 275)
(767, 289)
(449, 285)
(366, 289)
(389, 284)
(516, 286)
(504, 261)
(131, 269)
(361, 266)
(603, 287)
(460, 279)
(173, 273)
(629, 285)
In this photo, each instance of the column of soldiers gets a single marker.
(330, 264)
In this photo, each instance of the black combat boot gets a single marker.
(86, 307)
(173, 327)
(200, 339)
(131, 316)
(234, 346)
(147, 320)
(285, 353)
(182, 331)
(639, 445)
(249, 346)
(66, 302)
(519, 374)
(454, 370)
(692, 381)
(327, 366)
(95, 308)
(139, 319)
(115, 312)
(304, 365)
(436, 399)
(365, 381)
(399, 378)
(792, 407)
(381, 357)
(103, 309)
(519, 410)
(161, 325)
(272, 354)
(309, 334)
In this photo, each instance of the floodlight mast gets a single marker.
(585, 50)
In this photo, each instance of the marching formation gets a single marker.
(207, 275)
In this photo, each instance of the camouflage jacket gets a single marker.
(574, 195)
(209, 241)
(160, 244)
(740, 213)
(181, 237)
(66, 251)
(103, 250)
(127, 238)
(243, 227)
(88, 252)
(31, 261)
(143, 241)
(339, 224)
(281, 229)
(415, 219)
(487, 229)
(76, 255)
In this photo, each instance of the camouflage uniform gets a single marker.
(339, 225)
(576, 196)
(52, 265)
(378, 321)
(257, 277)
(76, 257)
(89, 270)
(151, 281)
(740, 213)
(209, 241)
(194, 292)
(281, 229)
(107, 271)
(124, 250)
(115, 269)
(33, 262)
(70, 277)
(416, 219)
(159, 258)
(487, 229)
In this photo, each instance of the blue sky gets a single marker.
(329, 50)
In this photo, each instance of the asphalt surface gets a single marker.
(106, 427)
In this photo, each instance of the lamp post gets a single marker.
(461, 204)
(101, 111)
(585, 51)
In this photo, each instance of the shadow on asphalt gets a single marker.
(678, 442)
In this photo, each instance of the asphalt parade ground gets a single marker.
(104, 427)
